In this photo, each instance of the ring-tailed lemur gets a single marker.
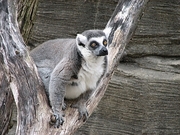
(71, 67)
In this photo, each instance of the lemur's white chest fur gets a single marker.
(88, 77)
(93, 52)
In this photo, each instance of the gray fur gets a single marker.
(67, 66)
(93, 33)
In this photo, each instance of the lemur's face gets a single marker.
(98, 46)
(92, 42)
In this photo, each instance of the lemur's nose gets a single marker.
(104, 51)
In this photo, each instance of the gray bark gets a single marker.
(18, 74)
(26, 13)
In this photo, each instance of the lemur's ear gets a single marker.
(107, 31)
(81, 40)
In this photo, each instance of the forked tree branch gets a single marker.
(21, 74)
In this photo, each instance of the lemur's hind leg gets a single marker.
(81, 105)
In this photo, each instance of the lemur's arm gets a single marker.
(60, 77)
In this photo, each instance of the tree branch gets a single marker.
(19, 72)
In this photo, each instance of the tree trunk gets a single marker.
(26, 13)
(19, 74)
(6, 98)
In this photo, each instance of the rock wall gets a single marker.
(66, 18)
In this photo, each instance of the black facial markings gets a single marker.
(94, 44)
(81, 44)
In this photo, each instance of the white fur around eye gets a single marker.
(98, 39)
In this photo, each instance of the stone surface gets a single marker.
(64, 19)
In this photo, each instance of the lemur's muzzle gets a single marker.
(103, 52)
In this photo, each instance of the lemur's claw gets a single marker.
(64, 106)
(83, 115)
(56, 120)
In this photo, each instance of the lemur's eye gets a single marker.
(105, 42)
(93, 44)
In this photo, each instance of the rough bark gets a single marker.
(32, 107)
(26, 15)
(18, 73)
(6, 100)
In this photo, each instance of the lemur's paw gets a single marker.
(64, 106)
(56, 120)
(83, 113)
